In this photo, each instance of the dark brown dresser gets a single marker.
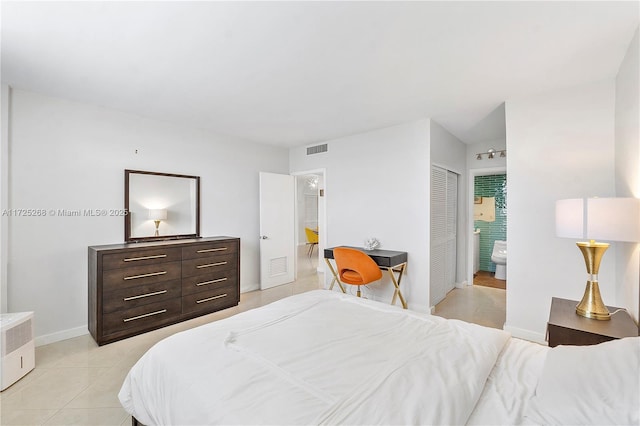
(138, 287)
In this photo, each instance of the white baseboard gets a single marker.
(61, 335)
(526, 334)
(417, 308)
(463, 284)
(248, 288)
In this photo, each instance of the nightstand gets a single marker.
(565, 327)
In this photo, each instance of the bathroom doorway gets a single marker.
(490, 230)
(488, 220)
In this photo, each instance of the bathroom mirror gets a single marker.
(161, 206)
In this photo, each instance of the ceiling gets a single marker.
(297, 73)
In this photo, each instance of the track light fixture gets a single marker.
(491, 153)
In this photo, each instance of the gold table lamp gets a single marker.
(612, 219)
(157, 215)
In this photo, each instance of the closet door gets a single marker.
(452, 222)
(444, 213)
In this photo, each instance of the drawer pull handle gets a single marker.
(211, 298)
(133, 259)
(155, 293)
(209, 265)
(210, 250)
(151, 274)
(144, 315)
(212, 281)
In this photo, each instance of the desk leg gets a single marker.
(335, 276)
(396, 283)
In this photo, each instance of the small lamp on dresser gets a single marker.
(610, 219)
(157, 215)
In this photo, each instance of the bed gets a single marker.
(323, 357)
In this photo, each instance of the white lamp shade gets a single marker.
(609, 219)
(158, 214)
(614, 219)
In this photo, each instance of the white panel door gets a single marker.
(277, 236)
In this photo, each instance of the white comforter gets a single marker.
(315, 358)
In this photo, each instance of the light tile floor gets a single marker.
(477, 304)
(76, 382)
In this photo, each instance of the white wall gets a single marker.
(66, 155)
(560, 145)
(377, 185)
(322, 218)
(4, 193)
(627, 160)
(449, 152)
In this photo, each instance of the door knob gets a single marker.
(263, 237)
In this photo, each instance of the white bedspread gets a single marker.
(510, 385)
(315, 358)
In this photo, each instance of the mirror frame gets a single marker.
(127, 218)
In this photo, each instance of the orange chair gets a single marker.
(355, 267)
(312, 239)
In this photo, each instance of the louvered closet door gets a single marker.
(444, 196)
(452, 221)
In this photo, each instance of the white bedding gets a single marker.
(316, 358)
(511, 384)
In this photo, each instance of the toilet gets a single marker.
(499, 257)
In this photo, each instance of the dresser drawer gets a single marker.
(209, 264)
(208, 249)
(208, 281)
(142, 316)
(211, 300)
(117, 279)
(132, 258)
(132, 297)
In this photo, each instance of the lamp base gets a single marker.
(591, 305)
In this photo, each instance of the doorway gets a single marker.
(310, 222)
(490, 229)
(494, 228)
(282, 230)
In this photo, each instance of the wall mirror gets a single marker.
(161, 206)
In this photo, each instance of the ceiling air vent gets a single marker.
(317, 149)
